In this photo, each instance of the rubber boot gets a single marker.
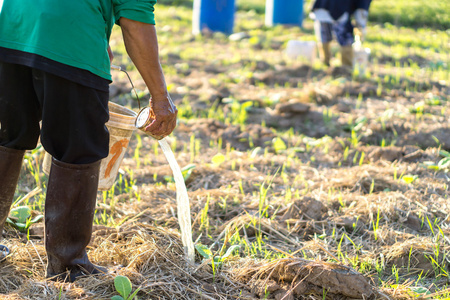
(10, 165)
(69, 214)
(325, 53)
(347, 56)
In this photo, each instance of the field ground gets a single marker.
(322, 184)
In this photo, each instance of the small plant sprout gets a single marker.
(376, 225)
(279, 145)
(21, 218)
(218, 159)
(123, 287)
(408, 179)
(185, 172)
(204, 221)
(442, 165)
(217, 260)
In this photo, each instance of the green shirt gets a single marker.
(72, 32)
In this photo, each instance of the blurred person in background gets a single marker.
(333, 18)
(55, 68)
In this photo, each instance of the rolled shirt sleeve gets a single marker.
(137, 10)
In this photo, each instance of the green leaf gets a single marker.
(187, 171)
(359, 123)
(122, 285)
(230, 251)
(218, 159)
(204, 251)
(297, 149)
(20, 226)
(436, 140)
(134, 294)
(444, 163)
(322, 236)
(433, 101)
(255, 152)
(247, 105)
(444, 153)
(169, 178)
(21, 213)
(279, 145)
(116, 298)
(254, 40)
(419, 290)
(433, 167)
(36, 219)
(409, 178)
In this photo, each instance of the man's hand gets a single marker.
(361, 16)
(164, 114)
(142, 46)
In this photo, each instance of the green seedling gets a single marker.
(355, 139)
(279, 145)
(409, 178)
(192, 147)
(20, 218)
(123, 287)
(357, 124)
(255, 152)
(186, 172)
(443, 164)
(218, 159)
(376, 225)
(217, 260)
(418, 291)
(204, 220)
(327, 116)
(418, 108)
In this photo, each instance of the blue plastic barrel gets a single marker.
(288, 12)
(213, 15)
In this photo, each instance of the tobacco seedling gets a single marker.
(123, 287)
(186, 172)
(20, 218)
(218, 159)
(216, 260)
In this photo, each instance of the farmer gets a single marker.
(334, 17)
(55, 68)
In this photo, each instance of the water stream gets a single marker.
(183, 208)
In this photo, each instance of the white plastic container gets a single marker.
(301, 49)
(360, 55)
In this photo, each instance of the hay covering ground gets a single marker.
(153, 259)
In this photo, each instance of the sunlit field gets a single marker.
(305, 182)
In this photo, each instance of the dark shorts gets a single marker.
(342, 32)
(73, 115)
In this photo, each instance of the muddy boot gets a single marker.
(347, 57)
(10, 165)
(69, 213)
(325, 53)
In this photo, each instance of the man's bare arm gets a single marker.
(142, 46)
